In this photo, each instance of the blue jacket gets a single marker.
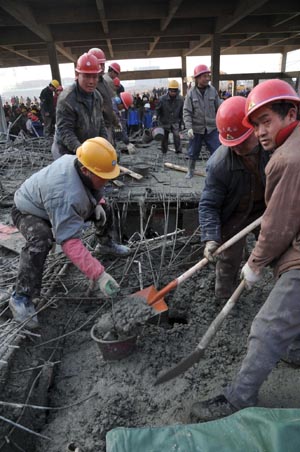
(227, 181)
(57, 194)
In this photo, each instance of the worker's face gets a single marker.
(88, 82)
(247, 146)
(203, 80)
(173, 92)
(97, 181)
(267, 124)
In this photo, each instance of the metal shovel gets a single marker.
(198, 353)
(155, 298)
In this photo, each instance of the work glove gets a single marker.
(190, 134)
(249, 276)
(210, 247)
(131, 148)
(108, 285)
(154, 118)
(100, 216)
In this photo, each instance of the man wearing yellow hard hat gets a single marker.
(53, 205)
(48, 108)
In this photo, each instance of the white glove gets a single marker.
(154, 118)
(210, 247)
(108, 285)
(190, 134)
(100, 215)
(249, 276)
(131, 148)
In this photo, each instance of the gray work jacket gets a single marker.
(57, 194)
(199, 111)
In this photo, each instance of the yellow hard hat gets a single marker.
(55, 83)
(100, 157)
(173, 84)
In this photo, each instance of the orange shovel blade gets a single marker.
(148, 294)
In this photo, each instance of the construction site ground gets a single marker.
(57, 391)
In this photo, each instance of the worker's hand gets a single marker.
(108, 285)
(210, 247)
(190, 134)
(131, 148)
(100, 216)
(154, 118)
(249, 276)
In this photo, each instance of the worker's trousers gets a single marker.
(174, 128)
(39, 240)
(275, 327)
(210, 139)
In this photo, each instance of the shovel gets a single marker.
(155, 298)
(198, 353)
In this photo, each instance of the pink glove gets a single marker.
(75, 250)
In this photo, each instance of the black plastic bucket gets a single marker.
(114, 350)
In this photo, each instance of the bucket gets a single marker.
(114, 350)
(141, 168)
(158, 133)
(147, 136)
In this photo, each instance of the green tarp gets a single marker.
(248, 430)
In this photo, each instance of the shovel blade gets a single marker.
(181, 367)
(148, 294)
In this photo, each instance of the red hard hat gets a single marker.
(98, 53)
(127, 99)
(88, 64)
(229, 119)
(201, 69)
(116, 67)
(117, 82)
(270, 91)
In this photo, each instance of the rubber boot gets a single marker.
(23, 310)
(110, 247)
(191, 169)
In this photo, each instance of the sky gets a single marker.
(10, 77)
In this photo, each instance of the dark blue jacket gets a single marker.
(227, 181)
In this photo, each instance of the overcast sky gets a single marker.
(9, 77)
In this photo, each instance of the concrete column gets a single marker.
(183, 75)
(53, 61)
(283, 62)
(215, 60)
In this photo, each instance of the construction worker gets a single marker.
(169, 116)
(48, 107)
(233, 194)
(271, 108)
(105, 89)
(79, 109)
(121, 105)
(199, 115)
(114, 70)
(52, 205)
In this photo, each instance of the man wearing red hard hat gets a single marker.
(199, 115)
(272, 110)
(233, 194)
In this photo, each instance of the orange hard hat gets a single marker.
(98, 53)
(116, 67)
(267, 92)
(87, 64)
(127, 99)
(201, 69)
(100, 157)
(229, 119)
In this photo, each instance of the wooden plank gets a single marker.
(130, 173)
(11, 238)
(183, 169)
